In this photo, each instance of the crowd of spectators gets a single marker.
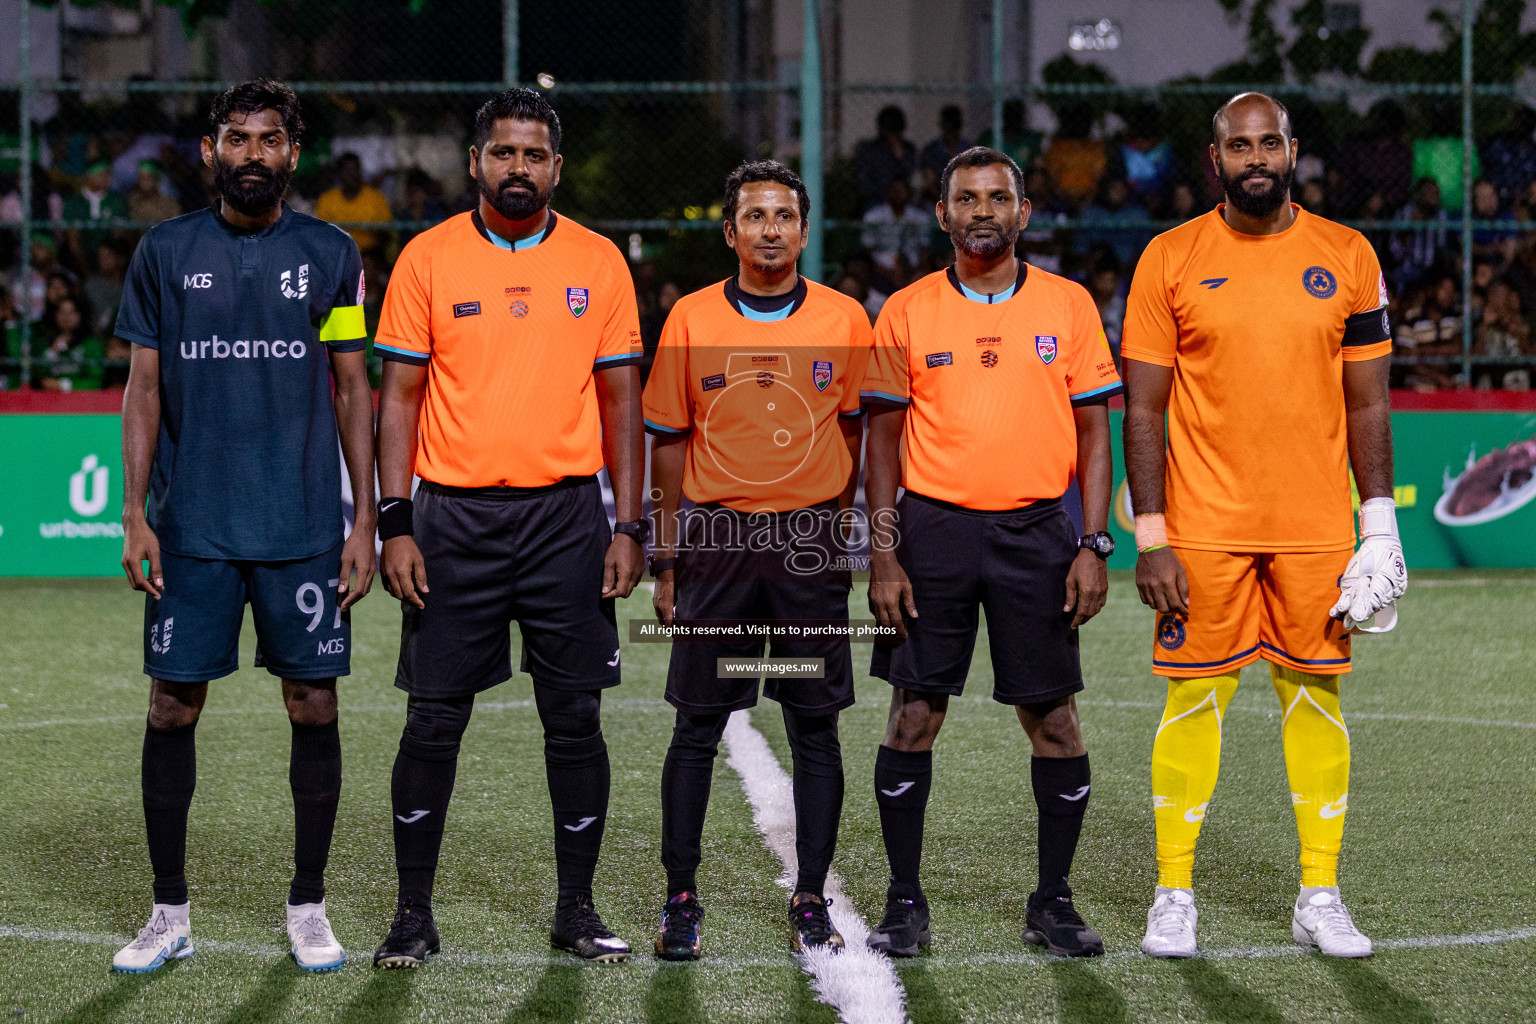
(1100, 188)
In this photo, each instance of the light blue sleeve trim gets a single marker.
(881, 396)
(623, 358)
(423, 356)
(1107, 390)
(657, 428)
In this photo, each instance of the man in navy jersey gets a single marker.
(240, 316)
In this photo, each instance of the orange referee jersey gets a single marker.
(760, 398)
(990, 385)
(510, 338)
(1257, 329)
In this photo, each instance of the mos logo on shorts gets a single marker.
(576, 298)
(1045, 348)
(821, 374)
(1319, 283)
(1170, 632)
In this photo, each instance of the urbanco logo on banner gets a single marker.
(89, 492)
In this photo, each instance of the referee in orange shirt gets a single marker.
(511, 341)
(996, 375)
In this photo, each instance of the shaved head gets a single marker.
(1245, 99)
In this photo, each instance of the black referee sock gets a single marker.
(168, 775)
(902, 781)
(420, 790)
(1061, 793)
(818, 787)
(685, 782)
(576, 765)
(314, 775)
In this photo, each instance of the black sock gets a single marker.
(168, 775)
(902, 780)
(1061, 793)
(576, 764)
(818, 794)
(685, 781)
(314, 775)
(420, 790)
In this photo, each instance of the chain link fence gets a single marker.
(102, 107)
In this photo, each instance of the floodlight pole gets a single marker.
(1466, 190)
(24, 165)
(997, 76)
(509, 42)
(810, 140)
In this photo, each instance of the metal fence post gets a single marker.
(24, 163)
(509, 42)
(810, 140)
(997, 76)
(1466, 190)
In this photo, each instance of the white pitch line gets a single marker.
(858, 982)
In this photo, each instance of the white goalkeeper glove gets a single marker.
(1377, 575)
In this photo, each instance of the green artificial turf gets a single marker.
(1442, 826)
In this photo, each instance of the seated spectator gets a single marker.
(1439, 158)
(1414, 251)
(1509, 158)
(1020, 142)
(103, 287)
(1314, 198)
(95, 201)
(1042, 242)
(886, 158)
(68, 355)
(423, 202)
(1074, 160)
(1503, 334)
(855, 289)
(1104, 283)
(938, 153)
(894, 231)
(147, 202)
(1114, 203)
(1146, 158)
(1497, 245)
(1181, 202)
(354, 200)
(1378, 162)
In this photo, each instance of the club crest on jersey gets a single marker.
(519, 309)
(989, 358)
(821, 374)
(1170, 632)
(1045, 348)
(576, 298)
(1319, 283)
(285, 281)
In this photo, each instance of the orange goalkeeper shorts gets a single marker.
(1246, 607)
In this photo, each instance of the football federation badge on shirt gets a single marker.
(1319, 283)
(821, 374)
(1045, 348)
(576, 298)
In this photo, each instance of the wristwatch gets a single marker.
(661, 565)
(638, 530)
(1101, 543)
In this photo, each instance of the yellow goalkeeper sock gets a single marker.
(1186, 756)
(1317, 761)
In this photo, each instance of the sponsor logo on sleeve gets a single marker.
(1381, 288)
(362, 286)
(465, 309)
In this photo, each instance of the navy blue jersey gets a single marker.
(246, 465)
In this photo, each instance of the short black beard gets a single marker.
(510, 205)
(1260, 204)
(250, 198)
(989, 249)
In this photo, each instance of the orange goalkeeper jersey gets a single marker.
(1257, 329)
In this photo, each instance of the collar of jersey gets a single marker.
(765, 308)
(983, 297)
(272, 228)
(522, 243)
(1243, 236)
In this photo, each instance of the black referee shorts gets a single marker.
(1014, 565)
(787, 567)
(495, 556)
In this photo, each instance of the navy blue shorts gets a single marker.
(495, 556)
(192, 633)
(1012, 564)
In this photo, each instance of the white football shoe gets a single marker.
(309, 934)
(167, 936)
(1321, 922)
(1171, 924)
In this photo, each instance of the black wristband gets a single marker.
(395, 518)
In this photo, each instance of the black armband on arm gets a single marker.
(1367, 328)
(395, 518)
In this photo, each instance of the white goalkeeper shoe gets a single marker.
(1171, 924)
(309, 934)
(1322, 923)
(167, 936)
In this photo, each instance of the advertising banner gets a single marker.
(1465, 485)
